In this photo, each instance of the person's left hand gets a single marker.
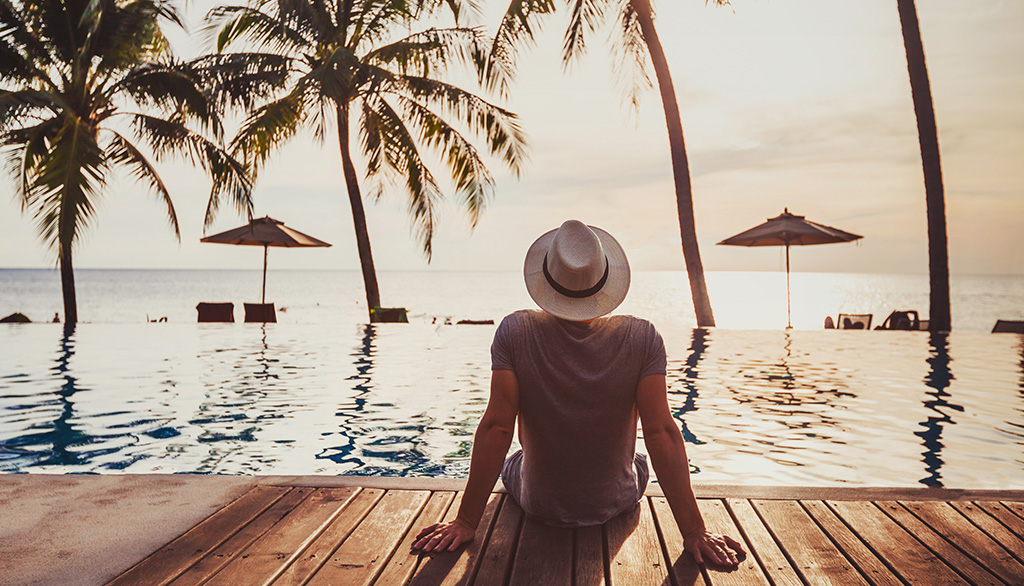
(442, 536)
(714, 548)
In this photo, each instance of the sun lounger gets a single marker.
(1008, 326)
(854, 321)
(260, 313)
(389, 315)
(216, 312)
(901, 320)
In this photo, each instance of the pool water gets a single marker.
(764, 407)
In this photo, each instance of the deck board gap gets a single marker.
(660, 532)
(748, 540)
(782, 547)
(842, 550)
(867, 543)
(515, 548)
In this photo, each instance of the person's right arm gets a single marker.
(668, 456)
(490, 445)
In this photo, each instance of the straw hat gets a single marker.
(577, 272)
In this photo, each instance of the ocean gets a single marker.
(741, 300)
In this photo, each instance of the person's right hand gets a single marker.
(714, 548)
(442, 536)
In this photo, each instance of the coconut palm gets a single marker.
(636, 42)
(351, 65)
(928, 136)
(84, 83)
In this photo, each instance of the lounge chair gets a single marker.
(1008, 326)
(216, 312)
(260, 313)
(389, 315)
(901, 320)
(854, 321)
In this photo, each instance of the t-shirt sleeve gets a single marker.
(502, 357)
(655, 360)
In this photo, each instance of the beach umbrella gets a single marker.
(265, 232)
(787, 230)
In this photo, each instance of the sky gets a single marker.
(798, 104)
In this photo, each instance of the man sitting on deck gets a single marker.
(577, 381)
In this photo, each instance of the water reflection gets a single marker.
(63, 435)
(938, 379)
(349, 412)
(688, 380)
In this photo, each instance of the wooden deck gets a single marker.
(352, 535)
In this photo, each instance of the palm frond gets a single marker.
(269, 127)
(24, 150)
(432, 51)
(500, 127)
(585, 17)
(518, 26)
(630, 57)
(243, 79)
(61, 193)
(122, 152)
(27, 104)
(468, 171)
(175, 88)
(230, 178)
(226, 25)
(398, 154)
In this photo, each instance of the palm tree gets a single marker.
(638, 41)
(928, 136)
(80, 80)
(347, 65)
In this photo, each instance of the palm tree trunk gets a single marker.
(938, 249)
(358, 214)
(67, 282)
(680, 167)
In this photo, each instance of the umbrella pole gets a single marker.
(789, 312)
(263, 294)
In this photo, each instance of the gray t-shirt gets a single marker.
(577, 410)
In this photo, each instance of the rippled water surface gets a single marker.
(756, 407)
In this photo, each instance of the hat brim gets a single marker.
(570, 308)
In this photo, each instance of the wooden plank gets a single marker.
(175, 557)
(815, 557)
(402, 565)
(1017, 507)
(963, 564)
(863, 558)
(716, 518)
(684, 569)
(907, 557)
(589, 555)
(1005, 516)
(634, 550)
(226, 551)
(361, 556)
(269, 555)
(993, 527)
(458, 568)
(318, 552)
(762, 545)
(968, 538)
(544, 556)
(501, 547)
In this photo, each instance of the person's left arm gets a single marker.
(490, 445)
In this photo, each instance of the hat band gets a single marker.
(575, 294)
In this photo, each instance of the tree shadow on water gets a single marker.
(939, 378)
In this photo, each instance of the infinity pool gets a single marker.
(799, 408)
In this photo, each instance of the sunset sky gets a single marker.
(802, 104)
